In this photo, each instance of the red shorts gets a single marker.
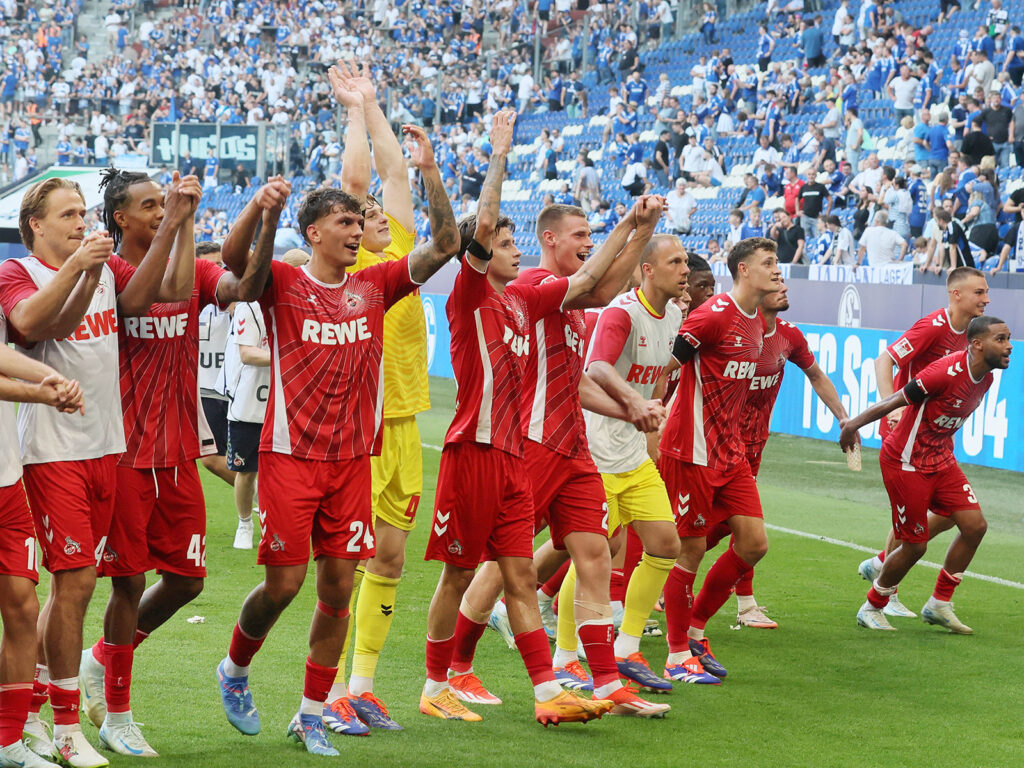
(753, 452)
(913, 494)
(568, 495)
(323, 502)
(72, 503)
(702, 497)
(18, 540)
(159, 522)
(483, 508)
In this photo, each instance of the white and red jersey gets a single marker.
(930, 338)
(923, 439)
(552, 414)
(326, 399)
(490, 338)
(159, 365)
(784, 342)
(637, 341)
(88, 355)
(10, 456)
(703, 426)
(251, 387)
(214, 327)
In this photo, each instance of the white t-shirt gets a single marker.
(638, 343)
(843, 247)
(252, 385)
(214, 327)
(903, 92)
(882, 245)
(10, 455)
(680, 208)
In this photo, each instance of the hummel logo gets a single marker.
(441, 526)
(938, 320)
(642, 342)
(954, 369)
(241, 324)
(720, 305)
(311, 298)
(387, 610)
(263, 518)
(683, 506)
(957, 403)
(901, 513)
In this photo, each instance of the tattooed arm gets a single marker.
(490, 195)
(445, 241)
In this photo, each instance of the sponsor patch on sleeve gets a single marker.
(692, 340)
(902, 348)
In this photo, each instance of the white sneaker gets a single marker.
(499, 623)
(36, 734)
(941, 614)
(547, 615)
(618, 614)
(17, 755)
(90, 681)
(243, 534)
(873, 618)
(870, 568)
(756, 618)
(125, 739)
(75, 750)
(652, 628)
(895, 608)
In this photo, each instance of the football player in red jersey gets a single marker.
(934, 336)
(159, 519)
(702, 457)
(323, 422)
(921, 473)
(782, 341)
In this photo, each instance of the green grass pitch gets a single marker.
(819, 691)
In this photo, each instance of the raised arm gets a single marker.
(355, 160)
(147, 285)
(235, 251)
(489, 205)
(602, 277)
(57, 309)
(256, 269)
(444, 241)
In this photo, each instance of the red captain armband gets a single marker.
(915, 392)
(337, 613)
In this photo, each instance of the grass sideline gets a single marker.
(819, 691)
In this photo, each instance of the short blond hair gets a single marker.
(34, 205)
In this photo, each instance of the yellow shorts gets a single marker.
(398, 474)
(636, 495)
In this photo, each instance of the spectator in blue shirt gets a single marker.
(765, 46)
(939, 145)
(812, 42)
(635, 90)
(63, 152)
(922, 140)
(1014, 63)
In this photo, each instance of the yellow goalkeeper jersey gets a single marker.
(406, 388)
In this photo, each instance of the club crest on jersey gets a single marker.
(277, 545)
(902, 348)
(699, 521)
(455, 548)
(354, 300)
(71, 547)
(109, 555)
(919, 529)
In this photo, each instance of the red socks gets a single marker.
(65, 705)
(467, 635)
(318, 680)
(745, 586)
(881, 555)
(678, 608)
(39, 691)
(552, 585)
(597, 644)
(533, 647)
(117, 676)
(945, 585)
(243, 647)
(14, 702)
(877, 601)
(634, 553)
(728, 569)
(617, 586)
(439, 658)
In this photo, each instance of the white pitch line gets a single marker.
(869, 550)
(851, 545)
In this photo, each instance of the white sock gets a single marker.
(119, 718)
(338, 691)
(310, 707)
(625, 645)
(678, 657)
(695, 634)
(876, 563)
(245, 520)
(745, 603)
(43, 673)
(67, 683)
(358, 685)
(453, 673)
(935, 601)
(233, 670)
(543, 599)
(546, 691)
(602, 691)
(64, 730)
(433, 688)
(563, 657)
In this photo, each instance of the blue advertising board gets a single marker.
(847, 356)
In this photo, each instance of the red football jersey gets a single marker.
(930, 338)
(552, 414)
(326, 396)
(490, 335)
(923, 439)
(704, 425)
(159, 365)
(785, 342)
